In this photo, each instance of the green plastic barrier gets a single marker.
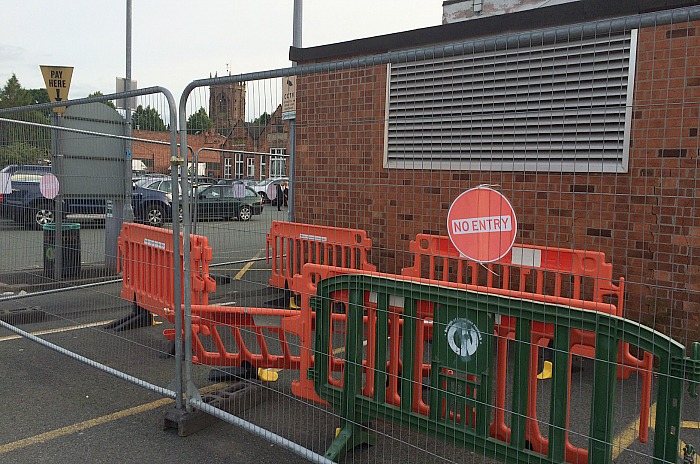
(462, 366)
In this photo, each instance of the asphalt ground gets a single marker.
(59, 410)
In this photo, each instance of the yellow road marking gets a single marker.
(70, 429)
(59, 330)
(625, 438)
(248, 265)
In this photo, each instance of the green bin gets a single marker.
(70, 233)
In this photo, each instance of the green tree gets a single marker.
(199, 122)
(262, 120)
(37, 96)
(147, 119)
(21, 153)
(13, 95)
(106, 102)
(23, 143)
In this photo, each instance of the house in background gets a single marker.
(233, 148)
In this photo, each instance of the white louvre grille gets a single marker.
(554, 107)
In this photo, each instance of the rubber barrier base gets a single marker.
(243, 372)
(139, 317)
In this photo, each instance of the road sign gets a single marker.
(57, 80)
(481, 224)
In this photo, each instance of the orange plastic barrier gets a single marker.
(582, 276)
(211, 322)
(147, 262)
(290, 245)
(146, 259)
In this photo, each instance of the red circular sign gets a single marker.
(48, 185)
(482, 225)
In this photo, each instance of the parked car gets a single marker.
(268, 185)
(248, 182)
(234, 201)
(152, 200)
(26, 205)
(6, 174)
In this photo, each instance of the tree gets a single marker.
(147, 119)
(21, 153)
(199, 122)
(263, 120)
(106, 102)
(38, 96)
(22, 143)
(13, 95)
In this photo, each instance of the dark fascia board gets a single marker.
(538, 18)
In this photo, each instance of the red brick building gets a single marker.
(156, 154)
(585, 115)
(247, 150)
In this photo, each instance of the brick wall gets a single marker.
(646, 220)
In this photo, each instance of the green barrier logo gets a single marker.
(50, 253)
(463, 338)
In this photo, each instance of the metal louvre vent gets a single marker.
(554, 107)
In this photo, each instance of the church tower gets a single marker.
(226, 105)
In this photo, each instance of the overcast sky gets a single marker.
(175, 41)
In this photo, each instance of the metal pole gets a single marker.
(296, 32)
(128, 215)
(57, 168)
(296, 42)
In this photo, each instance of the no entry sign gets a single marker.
(482, 225)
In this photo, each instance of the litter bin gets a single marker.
(70, 233)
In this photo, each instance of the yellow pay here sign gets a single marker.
(57, 80)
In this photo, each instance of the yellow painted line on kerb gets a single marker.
(59, 330)
(248, 265)
(71, 429)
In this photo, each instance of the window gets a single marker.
(227, 168)
(239, 165)
(212, 193)
(263, 164)
(278, 162)
(562, 106)
(228, 192)
(250, 167)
